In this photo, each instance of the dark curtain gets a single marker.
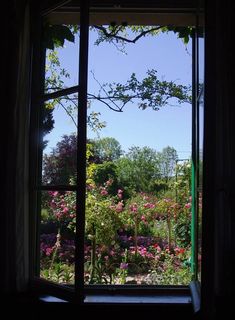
(16, 78)
(14, 145)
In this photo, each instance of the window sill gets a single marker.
(133, 299)
(117, 295)
(195, 290)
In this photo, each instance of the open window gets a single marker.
(111, 217)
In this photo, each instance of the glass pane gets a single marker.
(59, 155)
(201, 135)
(61, 56)
(57, 209)
(139, 128)
(57, 234)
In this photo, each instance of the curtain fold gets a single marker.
(22, 121)
(15, 214)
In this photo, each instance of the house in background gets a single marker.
(218, 242)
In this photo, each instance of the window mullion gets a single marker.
(81, 150)
(60, 93)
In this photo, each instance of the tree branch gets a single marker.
(101, 99)
(114, 35)
(103, 89)
(68, 113)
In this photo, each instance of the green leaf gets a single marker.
(55, 36)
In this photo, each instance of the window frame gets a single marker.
(41, 285)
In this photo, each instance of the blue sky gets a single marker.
(170, 126)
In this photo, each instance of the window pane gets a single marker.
(59, 146)
(62, 48)
(137, 230)
(60, 141)
(57, 234)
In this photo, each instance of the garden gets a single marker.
(138, 201)
(132, 236)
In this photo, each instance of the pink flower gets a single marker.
(119, 207)
(65, 210)
(157, 247)
(133, 207)
(53, 204)
(146, 198)
(109, 182)
(58, 215)
(49, 251)
(119, 194)
(112, 253)
(149, 205)
(103, 192)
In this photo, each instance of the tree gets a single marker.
(60, 166)
(138, 169)
(167, 162)
(150, 92)
(55, 79)
(106, 149)
(119, 35)
(54, 37)
(104, 172)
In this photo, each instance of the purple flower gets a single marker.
(123, 265)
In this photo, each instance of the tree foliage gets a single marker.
(106, 149)
(150, 92)
(55, 35)
(167, 160)
(60, 166)
(104, 172)
(122, 34)
(138, 169)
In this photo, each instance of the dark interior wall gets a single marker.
(219, 177)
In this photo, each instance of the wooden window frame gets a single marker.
(38, 97)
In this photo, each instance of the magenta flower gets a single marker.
(49, 251)
(188, 205)
(65, 210)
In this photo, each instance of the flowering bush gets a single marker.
(103, 218)
(121, 239)
(117, 264)
(65, 251)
